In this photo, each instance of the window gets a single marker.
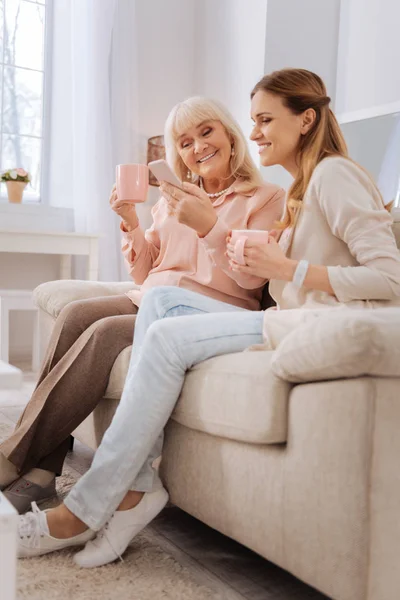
(22, 71)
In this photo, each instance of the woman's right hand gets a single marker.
(125, 210)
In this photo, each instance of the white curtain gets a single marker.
(389, 176)
(104, 117)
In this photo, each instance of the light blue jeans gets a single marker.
(197, 328)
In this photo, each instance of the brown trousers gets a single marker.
(87, 337)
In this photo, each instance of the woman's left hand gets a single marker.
(191, 206)
(267, 261)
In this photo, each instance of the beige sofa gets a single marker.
(306, 475)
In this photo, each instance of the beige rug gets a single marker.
(147, 573)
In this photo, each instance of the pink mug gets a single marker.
(240, 237)
(132, 182)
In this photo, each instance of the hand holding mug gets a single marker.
(125, 210)
(258, 253)
(132, 184)
(240, 238)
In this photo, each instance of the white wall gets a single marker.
(165, 32)
(229, 59)
(369, 55)
(301, 35)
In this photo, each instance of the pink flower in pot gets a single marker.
(16, 180)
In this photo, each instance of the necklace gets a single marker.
(217, 194)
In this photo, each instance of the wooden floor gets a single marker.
(219, 562)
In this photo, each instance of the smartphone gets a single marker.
(163, 172)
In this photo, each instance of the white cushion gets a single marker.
(234, 396)
(52, 296)
(341, 343)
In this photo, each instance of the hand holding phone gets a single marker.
(163, 172)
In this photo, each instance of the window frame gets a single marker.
(43, 198)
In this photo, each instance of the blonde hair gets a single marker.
(300, 90)
(192, 112)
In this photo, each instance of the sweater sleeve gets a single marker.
(140, 250)
(355, 214)
(264, 217)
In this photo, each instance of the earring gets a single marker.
(232, 151)
(189, 175)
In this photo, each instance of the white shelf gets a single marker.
(369, 113)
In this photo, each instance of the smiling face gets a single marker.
(277, 130)
(206, 150)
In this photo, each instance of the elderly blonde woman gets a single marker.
(206, 147)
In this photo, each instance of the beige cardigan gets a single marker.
(344, 226)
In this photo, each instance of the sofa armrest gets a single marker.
(384, 501)
(52, 296)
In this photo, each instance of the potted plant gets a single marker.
(16, 181)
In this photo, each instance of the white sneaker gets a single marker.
(34, 537)
(114, 538)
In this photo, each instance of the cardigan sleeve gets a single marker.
(356, 215)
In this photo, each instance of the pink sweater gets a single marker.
(170, 253)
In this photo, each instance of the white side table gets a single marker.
(65, 245)
(8, 549)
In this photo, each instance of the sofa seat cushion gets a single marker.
(52, 296)
(234, 396)
(341, 343)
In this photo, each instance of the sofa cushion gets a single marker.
(52, 296)
(234, 396)
(341, 343)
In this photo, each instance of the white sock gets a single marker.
(8, 471)
(40, 477)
